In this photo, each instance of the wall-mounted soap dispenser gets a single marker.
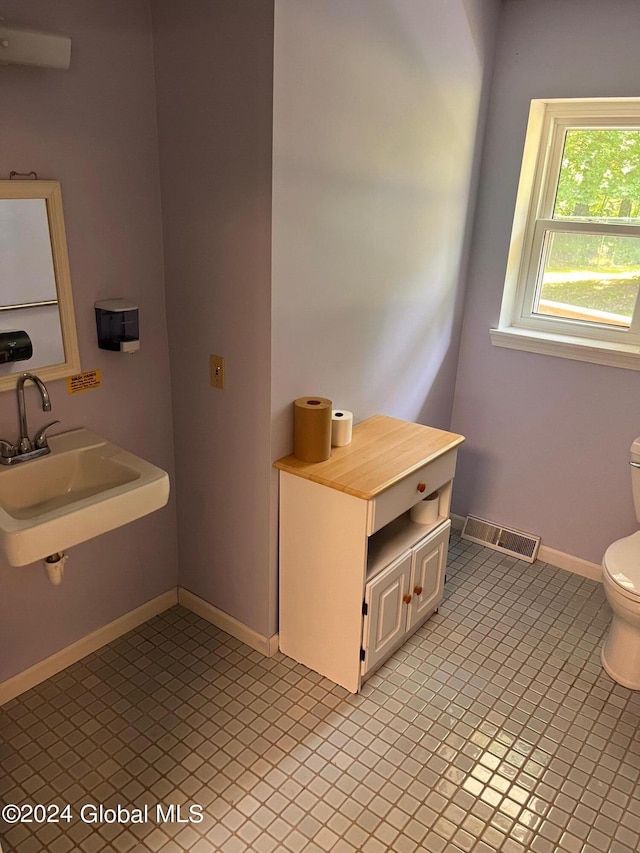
(117, 324)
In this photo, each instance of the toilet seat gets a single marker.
(621, 563)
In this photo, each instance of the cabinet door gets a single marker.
(386, 621)
(427, 576)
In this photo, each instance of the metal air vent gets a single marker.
(506, 539)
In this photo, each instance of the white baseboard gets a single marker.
(572, 564)
(39, 672)
(549, 555)
(267, 645)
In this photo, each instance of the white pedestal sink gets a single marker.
(84, 487)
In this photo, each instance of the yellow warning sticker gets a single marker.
(83, 381)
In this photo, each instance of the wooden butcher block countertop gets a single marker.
(382, 452)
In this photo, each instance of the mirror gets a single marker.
(37, 320)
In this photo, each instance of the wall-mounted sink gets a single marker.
(84, 487)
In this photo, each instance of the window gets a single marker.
(573, 275)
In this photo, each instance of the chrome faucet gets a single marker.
(27, 449)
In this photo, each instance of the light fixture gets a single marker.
(29, 47)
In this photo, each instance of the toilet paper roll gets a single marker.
(426, 511)
(341, 427)
(312, 429)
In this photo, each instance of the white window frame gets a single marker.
(519, 327)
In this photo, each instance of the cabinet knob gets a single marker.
(418, 590)
(421, 487)
(406, 598)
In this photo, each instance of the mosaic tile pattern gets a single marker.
(493, 728)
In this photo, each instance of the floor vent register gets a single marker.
(506, 539)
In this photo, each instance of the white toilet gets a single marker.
(621, 581)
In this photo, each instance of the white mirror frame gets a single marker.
(51, 193)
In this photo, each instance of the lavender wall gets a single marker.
(93, 128)
(214, 64)
(375, 122)
(547, 438)
(376, 118)
(378, 112)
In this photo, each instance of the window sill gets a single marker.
(563, 346)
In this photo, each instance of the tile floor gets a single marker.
(493, 728)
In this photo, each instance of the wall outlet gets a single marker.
(216, 368)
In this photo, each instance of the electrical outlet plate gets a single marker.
(216, 368)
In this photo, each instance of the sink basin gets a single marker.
(84, 487)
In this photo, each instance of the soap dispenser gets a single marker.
(117, 324)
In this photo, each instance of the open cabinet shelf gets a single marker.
(402, 534)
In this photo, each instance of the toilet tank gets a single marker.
(635, 475)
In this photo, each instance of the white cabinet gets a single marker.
(357, 576)
(402, 596)
(427, 582)
(385, 612)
